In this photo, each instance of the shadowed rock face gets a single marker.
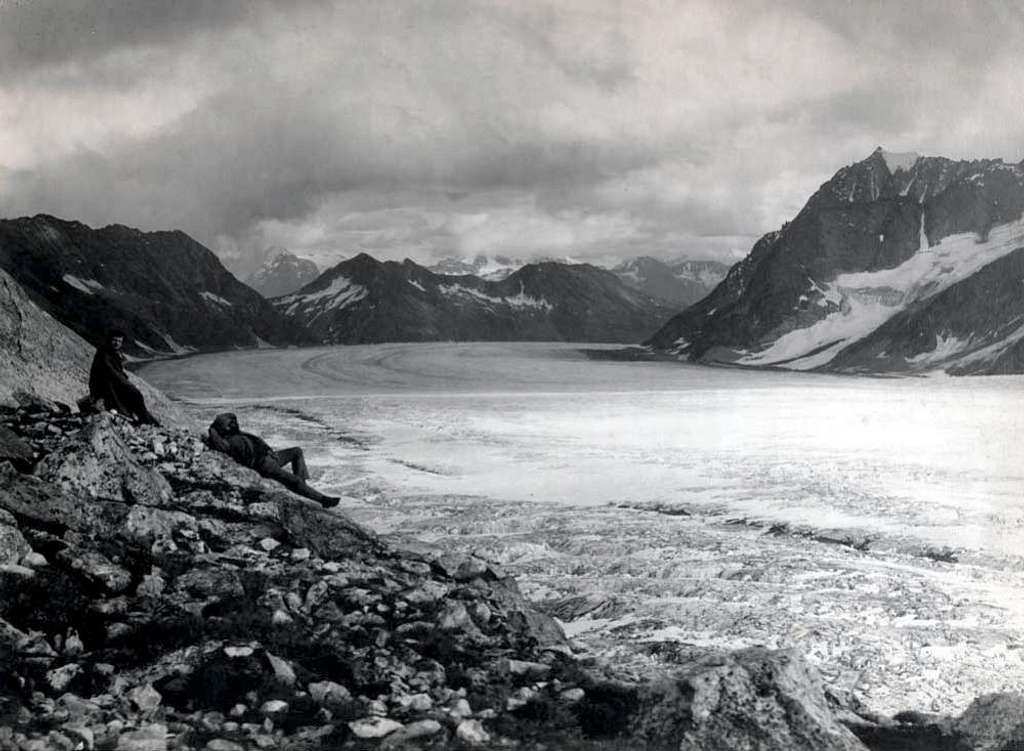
(168, 292)
(363, 300)
(888, 268)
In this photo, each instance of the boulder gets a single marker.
(96, 462)
(15, 450)
(994, 722)
(750, 699)
(13, 546)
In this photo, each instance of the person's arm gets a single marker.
(218, 442)
(113, 369)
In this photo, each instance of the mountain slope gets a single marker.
(168, 292)
(681, 283)
(282, 274)
(883, 240)
(363, 300)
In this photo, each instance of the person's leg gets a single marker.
(270, 469)
(296, 459)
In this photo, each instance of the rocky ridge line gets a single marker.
(155, 595)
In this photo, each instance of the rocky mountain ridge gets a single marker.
(282, 274)
(166, 291)
(890, 267)
(362, 300)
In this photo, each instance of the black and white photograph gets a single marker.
(534, 375)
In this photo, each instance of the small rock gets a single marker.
(536, 670)
(572, 695)
(329, 693)
(73, 645)
(268, 544)
(223, 744)
(373, 727)
(239, 710)
(472, 733)
(274, 708)
(83, 733)
(152, 585)
(283, 672)
(281, 618)
(59, 678)
(460, 709)
(242, 651)
(145, 698)
(332, 567)
(300, 554)
(377, 708)
(60, 742)
(151, 737)
(34, 560)
(417, 702)
(412, 731)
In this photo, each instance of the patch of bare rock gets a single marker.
(154, 595)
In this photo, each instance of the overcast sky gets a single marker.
(425, 128)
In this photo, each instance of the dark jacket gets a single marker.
(109, 381)
(245, 448)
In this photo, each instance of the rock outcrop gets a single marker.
(155, 595)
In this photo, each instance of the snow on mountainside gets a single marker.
(679, 283)
(888, 268)
(282, 274)
(363, 300)
(166, 291)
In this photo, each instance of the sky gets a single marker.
(590, 129)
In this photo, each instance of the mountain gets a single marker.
(899, 263)
(363, 300)
(680, 283)
(490, 268)
(282, 274)
(166, 291)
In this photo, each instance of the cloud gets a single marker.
(422, 129)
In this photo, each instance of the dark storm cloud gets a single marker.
(461, 126)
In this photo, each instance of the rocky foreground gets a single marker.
(155, 595)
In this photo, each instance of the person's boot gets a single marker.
(329, 501)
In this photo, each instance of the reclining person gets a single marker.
(109, 382)
(251, 451)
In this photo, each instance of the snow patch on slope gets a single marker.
(868, 299)
(339, 294)
(216, 299)
(521, 300)
(88, 286)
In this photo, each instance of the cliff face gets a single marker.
(888, 268)
(169, 293)
(39, 358)
(363, 300)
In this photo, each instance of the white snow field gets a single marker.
(877, 524)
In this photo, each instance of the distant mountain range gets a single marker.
(282, 274)
(489, 268)
(679, 283)
(166, 291)
(899, 263)
(363, 300)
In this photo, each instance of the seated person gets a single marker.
(251, 451)
(109, 382)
